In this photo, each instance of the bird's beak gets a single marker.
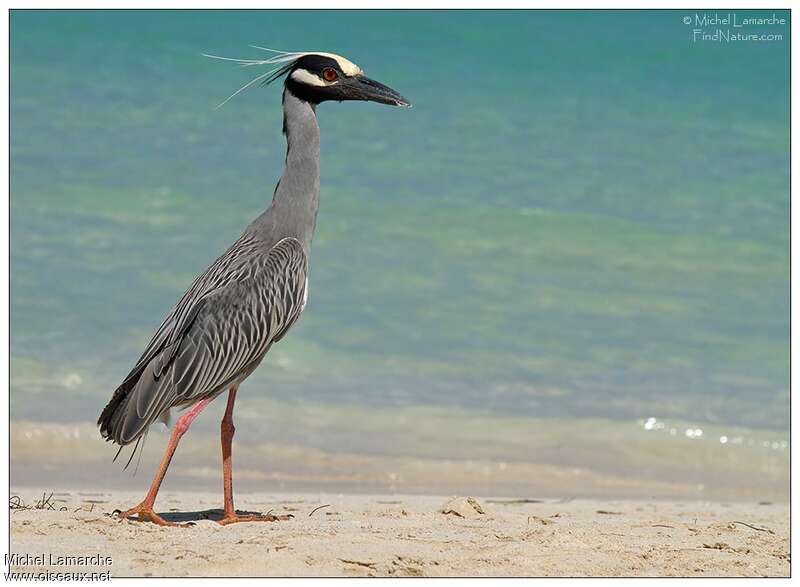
(360, 87)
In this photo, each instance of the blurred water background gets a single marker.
(564, 271)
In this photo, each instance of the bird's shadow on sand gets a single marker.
(213, 515)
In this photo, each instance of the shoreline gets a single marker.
(408, 535)
(448, 454)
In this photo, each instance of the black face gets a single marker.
(319, 78)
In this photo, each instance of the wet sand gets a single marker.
(402, 535)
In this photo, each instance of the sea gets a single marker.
(564, 271)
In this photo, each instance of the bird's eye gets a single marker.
(329, 74)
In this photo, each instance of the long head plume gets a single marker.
(281, 59)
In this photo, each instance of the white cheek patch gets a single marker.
(306, 77)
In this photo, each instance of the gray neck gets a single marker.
(293, 212)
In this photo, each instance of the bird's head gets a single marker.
(319, 77)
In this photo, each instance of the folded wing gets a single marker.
(214, 337)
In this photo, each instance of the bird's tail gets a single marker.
(138, 401)
(110, 414)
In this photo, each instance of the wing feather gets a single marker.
(216, 334)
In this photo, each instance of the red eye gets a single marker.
(329, 74)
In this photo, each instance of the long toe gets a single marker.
(233, 519)
(146, 514)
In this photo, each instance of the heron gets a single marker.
(219, 331)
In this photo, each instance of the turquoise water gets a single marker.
(584, 216)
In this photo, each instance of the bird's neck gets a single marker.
(294, 206)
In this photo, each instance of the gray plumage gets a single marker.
(221, 328)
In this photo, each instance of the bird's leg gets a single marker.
(144, 511)
(227, 430)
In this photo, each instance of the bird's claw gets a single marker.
(145, 513)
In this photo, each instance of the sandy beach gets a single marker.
(404, 535)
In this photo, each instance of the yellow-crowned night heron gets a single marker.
(220, 330)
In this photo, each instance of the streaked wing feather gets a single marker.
(219, 334)
(225, 269)
(239, 322)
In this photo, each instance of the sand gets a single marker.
(404, 535)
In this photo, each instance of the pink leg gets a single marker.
(227, 429)
(144, 510)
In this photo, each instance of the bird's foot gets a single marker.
(234, 518)
(145, 513)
